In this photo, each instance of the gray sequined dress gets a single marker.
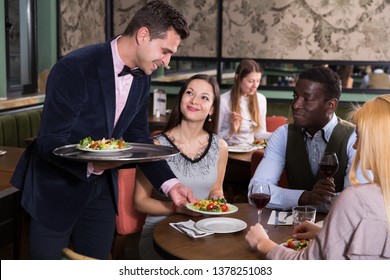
(199, 174)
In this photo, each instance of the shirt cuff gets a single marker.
(90, 170)
(167, 186)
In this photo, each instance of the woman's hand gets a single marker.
(235, 121)
(306, 230)
(256, 235)
(259, 239)
(215, 195)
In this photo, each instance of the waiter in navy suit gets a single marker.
(99, 91)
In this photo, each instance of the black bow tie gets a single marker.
(137, 72)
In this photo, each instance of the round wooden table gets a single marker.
(173, 244)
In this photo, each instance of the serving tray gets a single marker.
(138, 153)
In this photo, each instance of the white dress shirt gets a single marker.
(246, 134)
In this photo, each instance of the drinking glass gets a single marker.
(303, 213)
(259, 194)
(329, 164)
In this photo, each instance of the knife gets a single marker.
(276, 218)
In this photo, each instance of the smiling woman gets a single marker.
(201, 163)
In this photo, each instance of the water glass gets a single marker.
(303, 213)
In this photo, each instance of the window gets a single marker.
(20, 46)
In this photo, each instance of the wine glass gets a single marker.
(259, 194)
(329, 164)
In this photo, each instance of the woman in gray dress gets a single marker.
(201, 163)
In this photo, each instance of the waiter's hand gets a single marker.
(99, 167)
(181, 194)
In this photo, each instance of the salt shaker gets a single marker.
(157, 113)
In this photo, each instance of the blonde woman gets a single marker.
(243, 110)
(357, 226)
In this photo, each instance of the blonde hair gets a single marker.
(373, 146)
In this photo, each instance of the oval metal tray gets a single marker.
(138, 153)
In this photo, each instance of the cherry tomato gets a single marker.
(210, 206)
(224, 208)
(291, 244)
(197, 204)
(95, 145)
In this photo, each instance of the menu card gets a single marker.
(159, 102)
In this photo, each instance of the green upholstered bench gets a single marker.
(16, 127)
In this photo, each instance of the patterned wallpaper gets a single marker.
(307, 29)
(82, 22)
(201, 16)
(262, 29)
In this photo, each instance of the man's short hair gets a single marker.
(327, 77)
(158, 16)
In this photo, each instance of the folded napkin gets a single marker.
(289, 220)
(189, 229)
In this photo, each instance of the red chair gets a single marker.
(129, 221)
(274, 122)
(256, 157)
(155, 132)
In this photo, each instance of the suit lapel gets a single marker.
(107, 80)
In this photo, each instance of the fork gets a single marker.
(183, 227)
(252, 122)
(285, 218)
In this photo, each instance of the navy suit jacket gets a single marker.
(80, 102)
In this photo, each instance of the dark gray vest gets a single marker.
(297, 166)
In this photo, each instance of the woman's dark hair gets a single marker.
(329, 79)
(158, 16)
(176, 115)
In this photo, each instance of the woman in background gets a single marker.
(357, 226)
(345, 72)
(243, 110)
(201, 164)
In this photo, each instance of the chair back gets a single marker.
(155, 132)
(274, 122)
(256, 157)
(129, 220)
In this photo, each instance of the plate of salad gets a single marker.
(103, 145)
(296, 244)
(212, 207)
(260, 143)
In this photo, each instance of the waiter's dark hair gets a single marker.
(158, 16)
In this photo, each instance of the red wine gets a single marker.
(328, 169)
(260, 199)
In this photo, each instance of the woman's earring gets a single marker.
(210, 119)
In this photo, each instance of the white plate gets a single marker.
(105, 151)
(221, 225)
(232, 209)
(244, 148)
(2, 152)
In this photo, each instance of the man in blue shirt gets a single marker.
(297, 147)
